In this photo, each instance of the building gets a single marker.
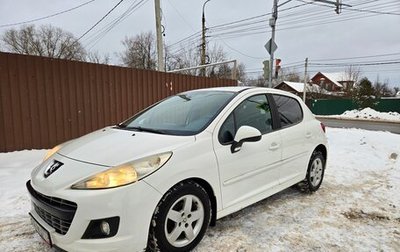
(334, 82)
(298, 87)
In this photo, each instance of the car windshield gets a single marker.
(183, 114)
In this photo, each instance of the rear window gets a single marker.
(289, 110)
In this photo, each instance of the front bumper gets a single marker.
(134, 204)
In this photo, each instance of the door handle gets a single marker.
(308, 134)
(274, 146)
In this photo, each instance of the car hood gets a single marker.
(111, 146)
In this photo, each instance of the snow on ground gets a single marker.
(357, 207)
(370, 114)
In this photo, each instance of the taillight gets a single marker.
(323, 127)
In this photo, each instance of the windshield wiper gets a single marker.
(120, 126)
(138, 128)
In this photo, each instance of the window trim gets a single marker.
(272, 109)
(278, 119)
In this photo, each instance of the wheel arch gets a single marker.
(211, 195)
(322, 148)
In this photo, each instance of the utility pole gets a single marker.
(160, 53)
(271, 45)
(203, 40)
(272, 23)
(305, 80)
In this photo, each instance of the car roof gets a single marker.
(238, 89)
(234, 89)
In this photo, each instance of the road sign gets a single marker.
(269, 48)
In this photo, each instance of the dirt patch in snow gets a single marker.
(354, 214)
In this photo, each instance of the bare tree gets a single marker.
(381, 89)
(396, 90)
(190, 57)
(288, 74)
(96, 57)
(351, 75)
(216, 54)
(258, 81)
(241, 72)
(140, 51)
(47, 40)
(183, 58)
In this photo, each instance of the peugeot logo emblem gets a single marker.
(52, 168)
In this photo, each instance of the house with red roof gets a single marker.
(333, 82)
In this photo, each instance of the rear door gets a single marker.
(294, 139)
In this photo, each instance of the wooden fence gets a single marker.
(46, 101)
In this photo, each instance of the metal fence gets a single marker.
(338, 106)
(46, 101)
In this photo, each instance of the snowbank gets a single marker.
(356, 209)
(369, 113)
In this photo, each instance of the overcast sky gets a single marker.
(303, 30)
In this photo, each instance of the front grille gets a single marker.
(56, 212)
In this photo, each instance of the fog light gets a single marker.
(105, 228)
(102, 228)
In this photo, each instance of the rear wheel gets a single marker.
(315, 173)
(180, 219)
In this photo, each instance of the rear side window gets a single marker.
(289, 110)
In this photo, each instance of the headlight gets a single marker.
(124, 174)
(52, 151)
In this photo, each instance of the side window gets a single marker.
(289, 110)
(227, 131)
(254, 111)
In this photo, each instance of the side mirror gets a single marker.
(245, 134)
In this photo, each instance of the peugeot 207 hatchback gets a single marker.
(157, 180)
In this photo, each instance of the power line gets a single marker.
(46, 17)
(229, 24)
(224, 25)
(317, 16)
(246, 55)
(97, 36)
(360, 57)
(372, 11)
(246, 26)
(356, 64)
(261, 29)
(101, 19)
(181, 16)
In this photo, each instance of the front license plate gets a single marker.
(41, 230)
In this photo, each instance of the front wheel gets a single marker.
(180, 219)
(315, 173)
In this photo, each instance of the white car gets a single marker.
(159, 179)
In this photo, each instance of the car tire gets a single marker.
(315, 173)
(180, 219)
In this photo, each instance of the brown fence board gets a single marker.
(34, 129)
(17, 116)
(6, 139)
(48, 101)
(66, 115)
(72, 100)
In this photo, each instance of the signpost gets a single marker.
(271, 46)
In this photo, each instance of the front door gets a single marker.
(249, 173)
